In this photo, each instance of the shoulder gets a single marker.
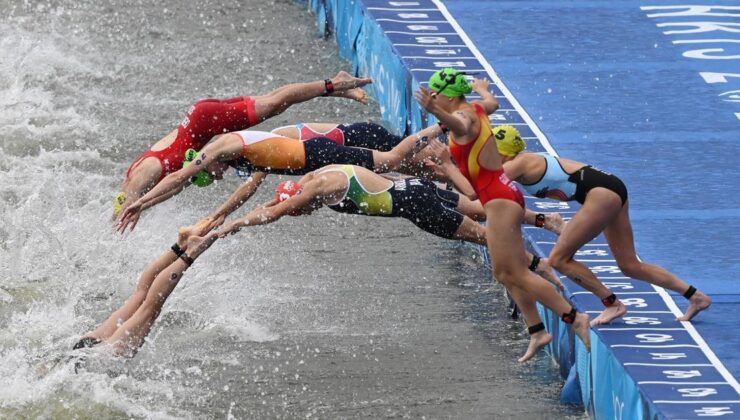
(489, 107)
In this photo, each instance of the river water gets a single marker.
(328, 316)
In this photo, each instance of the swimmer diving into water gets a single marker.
(264, 153)
(473, 148)
(434, 210)
(604, 208)
(210, 117)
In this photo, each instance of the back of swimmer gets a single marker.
(367, 135)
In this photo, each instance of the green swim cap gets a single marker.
(202, 178)
(450, 82)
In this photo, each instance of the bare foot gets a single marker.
(198, 229)
(581, 329)
(544, 269)
(616, 310)
(697, 303)
(345, 81)
(183, 234)
(554, 223)
(124, 347)
(536, 342)
(198, 244)
(356, 94)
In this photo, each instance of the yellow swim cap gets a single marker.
(118, 203)
(508, 140)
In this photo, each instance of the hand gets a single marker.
(479, 85)
(545, 271)
(425, 99)
(210, 223)
(440, 152)
(438, 172)
(130, 216)
(230, 229)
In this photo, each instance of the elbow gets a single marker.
(493, 106)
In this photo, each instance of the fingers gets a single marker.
(133, 225)
(216, 223)
(121, 226)
(436, 145)
(130, 218)
(422, 95)
(227, 232)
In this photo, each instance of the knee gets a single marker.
(140, 292)
(631, 268)
(506, 275)
(558, 261)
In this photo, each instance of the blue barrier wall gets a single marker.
(646, 365)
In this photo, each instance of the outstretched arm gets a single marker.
(172, 184)
(488, 101)
(239, 197)
(176, 181)
(394, 158)
(269, 213)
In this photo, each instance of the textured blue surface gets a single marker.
(607, 87)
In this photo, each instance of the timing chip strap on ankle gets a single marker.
(188, 260)
(535, 263)
(570, 317)
(536, 328)
(609, 300)
(177, 250)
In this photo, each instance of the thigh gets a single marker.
(620, 238)
(470, 208)
(600, 208)
(471, 231)
(423, 207)
(370, 136)
(504, 235)
(321, 151)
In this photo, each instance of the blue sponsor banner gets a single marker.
(644, 365)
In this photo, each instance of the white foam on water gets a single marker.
(34, 67)
(242, 329)
(63, 270)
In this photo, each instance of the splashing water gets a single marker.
(324, 316)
